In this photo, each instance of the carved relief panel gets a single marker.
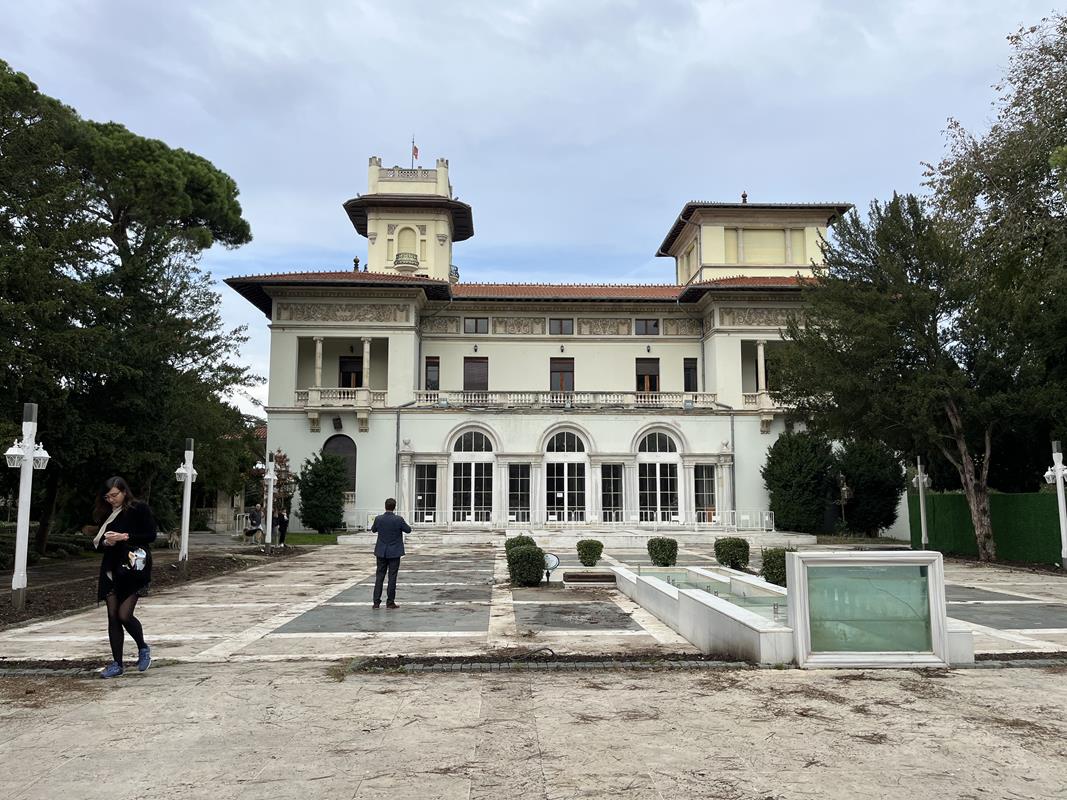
(342, 312)
(440, 325)
(519, 326)
(604, 326)
(755, 317)
(681, 327)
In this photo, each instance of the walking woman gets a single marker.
(126, 531)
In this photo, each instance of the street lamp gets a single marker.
(846, 495)
(269, 477)
(185, 474)
(25, 455)
(1056, 474)
(921, 481)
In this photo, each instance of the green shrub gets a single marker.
(589, 551)
(518, 541)
(322, 482)
(797, 476)
(663, 551)
(198, 520)
(873, 473)
(732, 552)
(526, 565)
(773, 569)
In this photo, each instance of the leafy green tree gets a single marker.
(106, 320)
(876, 478)
(798, 477)
(321, 483)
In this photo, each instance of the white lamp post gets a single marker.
(1056, 474)
(922, 482)
(26, 456)
(269, 477)
(185, 474)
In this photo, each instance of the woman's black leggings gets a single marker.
(120, 616)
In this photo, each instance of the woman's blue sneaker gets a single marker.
(112, 670)
(144, 658)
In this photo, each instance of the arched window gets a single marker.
(566, 442)
(343, 447)
(657, 443)
(472, 478)
(473, 442)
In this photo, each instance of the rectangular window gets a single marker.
(351, 372)
(648, 374)
(433, 373)
(689, 374)
(704, 493)
(797, 236)
(731, 245)
(475, 374)
(646, 327)
(611, 491)
(561, 327)
(561, 375)
(425, 493)
(763, 246)
(518, 492)
(476, 324)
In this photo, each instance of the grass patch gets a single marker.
(311, 538)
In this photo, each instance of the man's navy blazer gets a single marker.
(390, 529)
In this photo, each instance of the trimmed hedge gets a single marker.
(526, 565)
(518, 541)
(732, 552)
(773, 569)
(589, 551)
(663, 551)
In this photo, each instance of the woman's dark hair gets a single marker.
(103, 508)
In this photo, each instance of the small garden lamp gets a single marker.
(185, 475)
(1057, 474)
(25, 455)
(269, 476)
(921, 481)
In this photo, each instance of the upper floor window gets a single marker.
(648, 374)
(473, 442)
(476, 324)
(689, 375)
(657, 443)
(561, 375)
(475, 374)
(646, 327)
(561, 327)
(566, 442)
(433, 373)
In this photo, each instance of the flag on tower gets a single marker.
(414, 150)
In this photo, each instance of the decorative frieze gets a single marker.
(342, 312)
(754, 317)
(440, 325)
(604, 326)
(681, 327)
(391, 228)
(422, 229)
(519, 326)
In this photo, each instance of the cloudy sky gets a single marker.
(575, 128)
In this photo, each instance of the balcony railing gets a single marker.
(340, 397)
(444, 399)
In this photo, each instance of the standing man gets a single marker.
(388, 550)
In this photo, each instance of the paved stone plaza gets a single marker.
(454, 601)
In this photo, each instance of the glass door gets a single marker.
(425, 509)
(564, 491)
(657, 485)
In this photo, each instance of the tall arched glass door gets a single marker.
(472, 478)
(565, 476)
(657, 478)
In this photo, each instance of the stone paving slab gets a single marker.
(1013, 617)
(423, 619)
(571, 616)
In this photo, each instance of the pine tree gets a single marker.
(321, 483)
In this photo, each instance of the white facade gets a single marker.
(558, 388)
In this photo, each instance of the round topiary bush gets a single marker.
(773, 569)
(663, 551)
(589, 551)
(518, 541)
(526, 565)
(732, 552)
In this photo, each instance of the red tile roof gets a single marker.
(252, 287)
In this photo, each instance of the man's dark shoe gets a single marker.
(376, 606)
(391, 605)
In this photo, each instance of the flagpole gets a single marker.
(413, 151)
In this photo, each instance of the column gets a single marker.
(440, 515)
(318, 361)
(500, 495)
(594, 496)
(537, 500)
(631, 499)
(687, 507)
(761, 366)
(405, 494)
(365, 374)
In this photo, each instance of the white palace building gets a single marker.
(500, 406)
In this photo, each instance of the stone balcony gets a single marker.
(322, 397)
(454, 399)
